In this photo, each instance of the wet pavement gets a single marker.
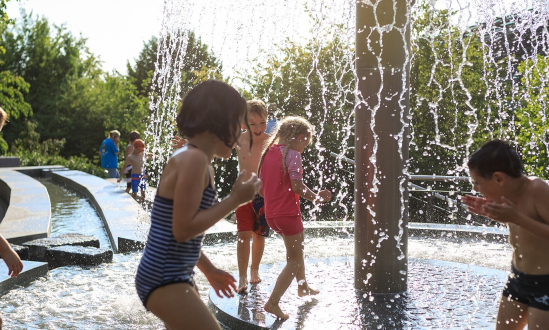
(441, 295)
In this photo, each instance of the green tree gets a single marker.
(71, 97)
(530, 118)
(197, 59)
(178, 71)
(54, 63)
(12, 88)
(141, 73)
(452, 97)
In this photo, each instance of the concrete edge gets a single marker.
(318, 229)
(38, 269)
(228, 320)
(126, 245)
(84, 191)
(20, 190)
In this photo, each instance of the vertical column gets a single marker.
(381, 146)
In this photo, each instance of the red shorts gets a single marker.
(287, 226)
(245, 217)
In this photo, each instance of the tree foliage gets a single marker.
(448, 93)
(12, 88)
(530, 118)
(71, 97)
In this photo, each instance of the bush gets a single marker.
(32, 152)
(79, 163)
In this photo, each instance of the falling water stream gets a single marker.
(470, 81)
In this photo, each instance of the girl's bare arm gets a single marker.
(192, 172)
(299, 187)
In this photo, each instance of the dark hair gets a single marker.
(134, 135)
(496, 156)
(212, 106)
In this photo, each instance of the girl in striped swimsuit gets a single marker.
(186, 205)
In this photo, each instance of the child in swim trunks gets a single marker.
(522, 203)
(136, 160)
(250, 222)
(282, 174)
(186, 206)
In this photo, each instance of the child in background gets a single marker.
(520, 202)
(10, 257)
(109, 154)
(185, 206)
(250, 219)
(271, 123)
(136, 160)
(282, 174)
(134, 135)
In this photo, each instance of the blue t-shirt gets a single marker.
(109, 158)
(271, 124)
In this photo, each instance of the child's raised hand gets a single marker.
(222, 282)
(476, 204)
(505, 212)
(324, 196)
(178, 142)
(12, 260)
(243, 192)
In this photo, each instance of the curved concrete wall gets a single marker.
(121, 214)
(28, 215)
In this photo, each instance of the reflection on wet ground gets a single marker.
(92, 297)
(440, 295)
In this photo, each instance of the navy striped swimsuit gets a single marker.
(165, 261)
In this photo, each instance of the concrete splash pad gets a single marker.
(441, 295)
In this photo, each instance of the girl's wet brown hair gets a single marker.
(288, 128)
(213, 106)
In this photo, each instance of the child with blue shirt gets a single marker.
(109, 154)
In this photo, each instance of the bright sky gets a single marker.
(237, 31)
(115, 29)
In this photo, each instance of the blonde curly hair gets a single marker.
(288, 128)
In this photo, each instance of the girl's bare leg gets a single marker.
(180, 307)
(511, 315)
(243, 258)
(294, 256)
(258, 245)
(538, 319)
(303, 288)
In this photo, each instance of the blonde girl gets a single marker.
(282, 174)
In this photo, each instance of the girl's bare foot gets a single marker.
(254, 276)
(242, 285)
(306, 290)
(275, 309)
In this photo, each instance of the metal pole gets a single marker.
(381, 116)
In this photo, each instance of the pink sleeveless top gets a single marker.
(280, 199)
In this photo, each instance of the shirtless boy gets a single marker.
(136, 160)
(522, 203)
(250, 218)
(134, 135)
